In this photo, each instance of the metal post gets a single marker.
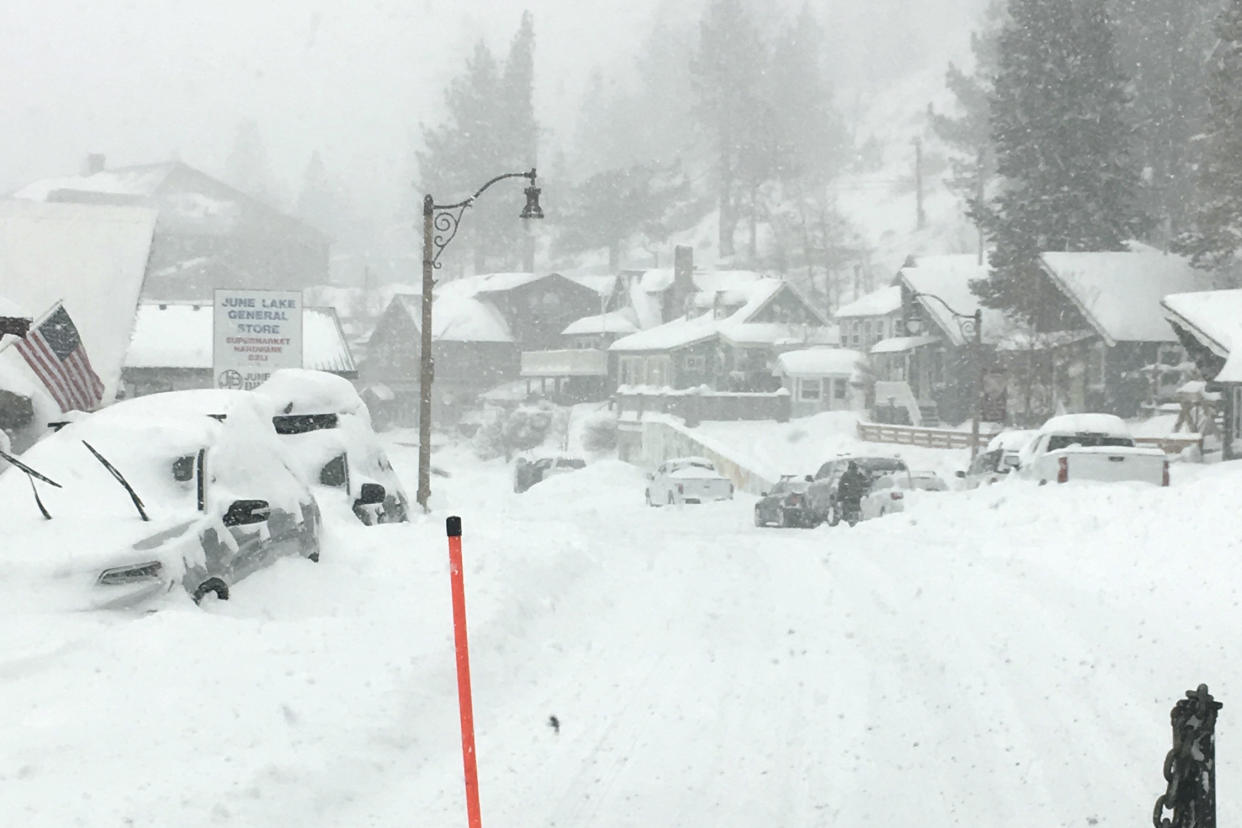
(974, 426)
(426, 361)
(465, 701)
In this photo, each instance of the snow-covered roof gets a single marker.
(604, 284)
(499, 282)
(754, 294)
(613, 322)
(1215, 316)
(949, 278)
(882, 302)
(463, 318)
(93, 257)
(899, 344)
(179, 335)
(1085, 424)
(1120, 293)
(819, 362)
(140, 181)
(675, 334)
(779, 333)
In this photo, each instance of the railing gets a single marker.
(568, 362)
(952, 439)
(917, 436)
(694, 406)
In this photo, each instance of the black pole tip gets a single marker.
(453, 525)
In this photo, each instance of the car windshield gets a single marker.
(1060, 441)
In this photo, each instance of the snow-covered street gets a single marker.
(1004, 656)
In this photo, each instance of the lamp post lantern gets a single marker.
(440, 222)
(971, 326)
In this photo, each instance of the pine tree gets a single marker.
(246, 167)
(1061, 138)
(1164, 46)
(1218, 218)
(969, 133)
(489, 130)
(727, 69)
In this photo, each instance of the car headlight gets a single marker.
(129, 574)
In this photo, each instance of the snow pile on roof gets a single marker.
(304, 391)
(604, 284)
(753, 294)
(780, 333)
(1086, 424)
(139, 181)
(1120, 292)
(1214, 314)
(949, 278)
(882, 302)
(499, 282)
(818, 362)
(93, 257)
(900, 344)
(179, 335)
(456, 317)
(613, 322)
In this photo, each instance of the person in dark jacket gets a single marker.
(851, 488)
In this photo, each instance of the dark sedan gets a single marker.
(785, 504)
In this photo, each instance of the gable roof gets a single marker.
(142, 181)
(949, 278)
(1120, 293)
(1214, 318)
(93, 257)
(754, 294)
(881, 302)
(179, 335)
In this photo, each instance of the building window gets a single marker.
(696, 363)
(809, 390)
(631, 370)
(855, 333)
(867, 333)
(838, 389)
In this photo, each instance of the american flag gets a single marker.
(54, 352)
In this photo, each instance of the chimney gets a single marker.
(94, 163)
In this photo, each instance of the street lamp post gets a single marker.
(440, 222)
(971, 326)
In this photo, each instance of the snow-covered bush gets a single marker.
(502, 434)
(599, 432)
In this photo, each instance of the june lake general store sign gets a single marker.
(255, 333)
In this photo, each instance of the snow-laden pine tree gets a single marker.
(1062, 141)
(1218, 218)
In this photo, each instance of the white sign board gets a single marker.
(255, 333)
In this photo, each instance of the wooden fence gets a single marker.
(952, 439)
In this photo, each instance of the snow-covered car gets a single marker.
(687, 480)
(150, 495)
(527, 473)
(1095, 447)
(886, 495)
(997, 460)
(785, 504)
(327, 427)
(822, 493)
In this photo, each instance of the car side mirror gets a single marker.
(245, 512)
(810, 479)
(959, 473)
(370, 493)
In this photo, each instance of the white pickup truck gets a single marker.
(687, 480)
(1090, 447)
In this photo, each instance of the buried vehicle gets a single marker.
(1090, 447)
(527, 473)
(327, 428)
(687, 480)
(120, 507)
(785, 504)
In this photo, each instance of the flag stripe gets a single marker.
(27, 348)
(70, 379)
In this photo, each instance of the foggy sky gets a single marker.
(149, 80)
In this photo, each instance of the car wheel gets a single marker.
(788, 520)
(313, 557)
(220, 588)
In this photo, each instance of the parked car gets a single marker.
(1090, 447)
(889, 493)
(822, 492)
(120, 507)
(687, 480)
(997, 460)
(527, 473)
(327, 427)
(785, 504)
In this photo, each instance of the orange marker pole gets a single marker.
(473, 815)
